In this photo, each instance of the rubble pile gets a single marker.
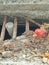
(27, 47)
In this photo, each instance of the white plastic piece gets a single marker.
(9, 27)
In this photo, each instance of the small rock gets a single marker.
(37, 40)
(45, 59)
(47, 38)
(24, 40)
(48, 61)
(20, 37)
(47, 55)
(24, 56)
(15, 55)
(6, 54)
(9, 45)
(26, 43)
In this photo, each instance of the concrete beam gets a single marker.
(32, 10)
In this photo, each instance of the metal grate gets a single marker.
(15, 27)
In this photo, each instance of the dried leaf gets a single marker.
(47, 55)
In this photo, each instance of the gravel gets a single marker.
(21, 57)
(9, 61)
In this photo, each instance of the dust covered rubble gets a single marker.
(19, 52)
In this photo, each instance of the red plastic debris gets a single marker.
(40, 32)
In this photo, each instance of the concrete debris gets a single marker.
(6, 54)
(27, 43)
(9, 46)
(45, 59)
(48, 61)
(28, 47)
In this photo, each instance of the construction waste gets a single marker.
(28, 49)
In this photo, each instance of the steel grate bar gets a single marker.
(3, 28)
(15, 28)
(27, 25)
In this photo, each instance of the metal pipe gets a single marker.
(15, 28)
(3, 28)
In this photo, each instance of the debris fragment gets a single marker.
(29, 58)
(40, 32)
(47, 55)
(47, 37)
(7, 54)
(14, 54)
(48, 61)
(45, 59)
(26, 43)
(8, 45)
(37, 40)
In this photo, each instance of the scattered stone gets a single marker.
(9, 45)
(47, 37)
(48, 61)
(37, 40)
(30, 33)
(24, 56)
(17, 49)
(47, 55)
(22, 49)
(26, 43)
(7, 54)
(20, 37)
(24, 40)
(45, 59)
(14, 55)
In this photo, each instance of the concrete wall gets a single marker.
(35, 9)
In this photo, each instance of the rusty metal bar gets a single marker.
(3, 28)
(27, 25)
(32, 21)
(15, 28)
